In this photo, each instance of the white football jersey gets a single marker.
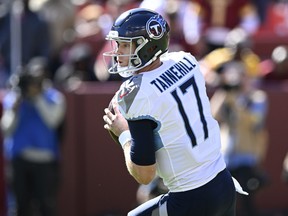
(187, 136)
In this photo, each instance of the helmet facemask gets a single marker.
(134, 62)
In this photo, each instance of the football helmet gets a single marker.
(147, 34)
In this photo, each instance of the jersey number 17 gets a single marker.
(183, 87)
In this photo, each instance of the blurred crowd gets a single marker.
(63, 41)
(70, 34)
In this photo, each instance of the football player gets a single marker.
(162, 118)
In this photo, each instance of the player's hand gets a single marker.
(115, 122)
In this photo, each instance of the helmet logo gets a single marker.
(155, 27)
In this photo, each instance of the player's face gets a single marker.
(124, 50)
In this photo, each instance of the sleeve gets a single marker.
(143, 144)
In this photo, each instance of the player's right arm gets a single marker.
(139, 148)
(142, 174)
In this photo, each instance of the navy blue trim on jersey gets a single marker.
(143, 142)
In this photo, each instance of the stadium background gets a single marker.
(94, 178)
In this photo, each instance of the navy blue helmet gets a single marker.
(144, 28)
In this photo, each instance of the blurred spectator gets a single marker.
(60, 16)
(280, 18)
(237, 46)
(219, 17)
(262, 7)
(276, 68)
(23, 35)
(275, 25)
(244, 139)
(77, 68)
(89, 28)
(241, 109)
(32, 113)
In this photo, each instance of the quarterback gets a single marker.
(162, 117)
